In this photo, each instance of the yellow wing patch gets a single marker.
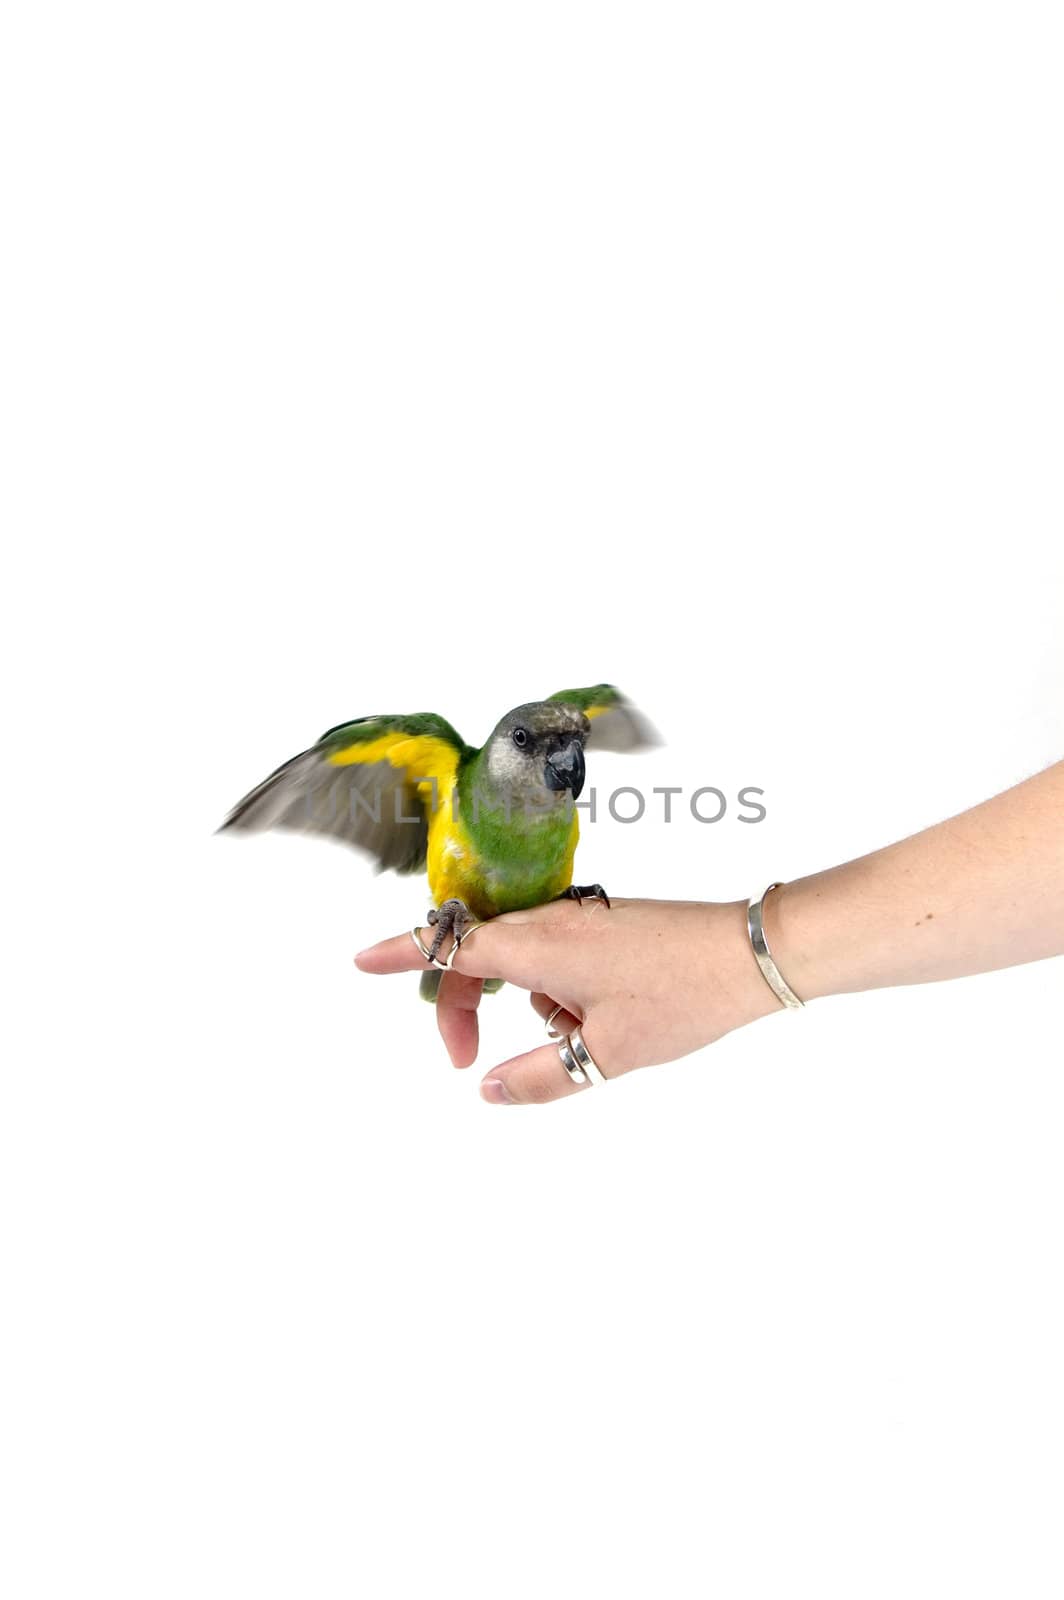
(427, 760)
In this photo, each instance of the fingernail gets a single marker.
(496, 1093)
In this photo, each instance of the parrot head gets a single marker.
(539, 747)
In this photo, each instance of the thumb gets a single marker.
(538, 1076)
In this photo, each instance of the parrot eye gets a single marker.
(520, 737)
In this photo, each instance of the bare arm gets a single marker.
(981, 891)
(652, 980)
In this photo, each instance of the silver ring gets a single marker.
(415, 934)
(578, 1061)
(459, 941)
(448, 962)
(552, 1033)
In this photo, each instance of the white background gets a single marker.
(369, 358)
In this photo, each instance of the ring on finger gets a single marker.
(447, 963)
(578, 1061)
(553, 1033)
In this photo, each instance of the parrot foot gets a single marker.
(586, 891)
(453, 917)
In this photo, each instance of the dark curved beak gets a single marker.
(565, 768)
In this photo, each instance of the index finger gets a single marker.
(495, 949)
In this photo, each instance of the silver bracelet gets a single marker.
(758, 943)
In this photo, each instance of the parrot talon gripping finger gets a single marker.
(453, 917)
(586, 891)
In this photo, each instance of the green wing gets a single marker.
(371, 783)
(615, 722)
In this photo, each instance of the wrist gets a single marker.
(806, 929)
(735, 968)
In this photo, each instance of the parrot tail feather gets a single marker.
(430, 985)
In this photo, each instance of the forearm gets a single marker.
(981, 891)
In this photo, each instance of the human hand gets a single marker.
(647, 982)
(654, 979)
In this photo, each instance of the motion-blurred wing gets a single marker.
(615, 722)
(371, 783)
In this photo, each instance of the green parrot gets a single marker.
(496, 827)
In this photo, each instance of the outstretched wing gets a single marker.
(615, 722)
(371, 783)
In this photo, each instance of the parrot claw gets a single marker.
(453, 917)
(586, 891)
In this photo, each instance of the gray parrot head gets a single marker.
(537, 751)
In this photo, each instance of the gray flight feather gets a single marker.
(370, 805)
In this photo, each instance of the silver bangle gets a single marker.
(770, 972)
